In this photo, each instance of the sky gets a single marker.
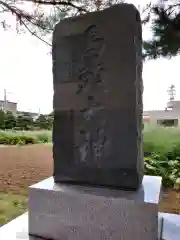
(26, 73)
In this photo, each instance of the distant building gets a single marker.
(12, 107)
(8, 106)
(32, 114)
(170, 116)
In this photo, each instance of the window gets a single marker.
(168, 122)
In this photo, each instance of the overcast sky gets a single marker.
(26, 73)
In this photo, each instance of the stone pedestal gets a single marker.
(59, 211)
(18, 228)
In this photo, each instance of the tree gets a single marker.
(24, 122)
(2, 118)
(9, 120)
(44, 121)
(165, 17)
(50, 119)
(39, 16)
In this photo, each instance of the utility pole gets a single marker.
(5, 101)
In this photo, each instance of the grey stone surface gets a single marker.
(18, 228)
(97, 69)
(59, 211)
(171, 226)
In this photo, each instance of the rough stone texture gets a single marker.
(97, 70)
(63, 211)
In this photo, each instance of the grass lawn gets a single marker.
(11, 206)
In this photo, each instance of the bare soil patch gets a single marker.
(170, 202)
(21, 166)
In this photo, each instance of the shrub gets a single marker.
(13, 140)
(43, 138)
(24, 137)
(169, 170)
(28, 139)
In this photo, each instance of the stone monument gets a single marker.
(97, 191)
(97, 68)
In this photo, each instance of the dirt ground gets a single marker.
(21, 166)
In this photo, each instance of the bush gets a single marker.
(169, 170)
(13, 140)
(43, 138)
(24, 137)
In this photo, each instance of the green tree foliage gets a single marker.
(9, 121)
(2, 118)
(39, 16)
(50, 118)
(25, 122)
(44, 121)
(165, 17)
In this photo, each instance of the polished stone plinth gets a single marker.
(18, 228)
(58, 211)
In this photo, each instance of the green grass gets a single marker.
(162, 141)
(11, 206)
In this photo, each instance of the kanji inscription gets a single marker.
(94, 142)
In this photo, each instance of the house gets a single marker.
(170, 116)
(8, 106)
(12, 107)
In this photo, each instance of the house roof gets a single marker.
(1, 101)
(30, 113)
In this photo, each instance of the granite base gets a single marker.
(59, 211)
(18, 228)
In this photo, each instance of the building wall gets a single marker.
(154, 116)
(10, 106)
